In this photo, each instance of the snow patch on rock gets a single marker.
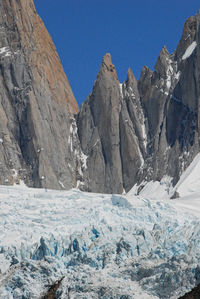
(5, 51)
(189, 50)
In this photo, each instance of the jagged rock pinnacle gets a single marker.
(130, 76)
(108, 66)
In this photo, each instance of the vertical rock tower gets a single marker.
(110, 128)
(37, 105)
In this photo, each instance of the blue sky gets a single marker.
(132, 31)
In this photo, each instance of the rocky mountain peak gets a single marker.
(146, 72)
(163, 61)
(131, 77)
(191, 31)
(107, 66)
(164, 51)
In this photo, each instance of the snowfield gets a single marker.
(97, 245)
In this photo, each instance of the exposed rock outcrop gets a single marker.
(124, 134)
(140, 131)
(37, 105)
(111, 133)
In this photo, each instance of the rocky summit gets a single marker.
(143, 130)
(125, 134)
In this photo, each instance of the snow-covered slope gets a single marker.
(189, 182)
(97, 246)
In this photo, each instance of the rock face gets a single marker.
(110, 128)
(170, 99)
(124, 134)
(37, 105)
(140, 131)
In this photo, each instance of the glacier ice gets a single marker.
(97, 245)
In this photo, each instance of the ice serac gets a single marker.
(107, 133)
(37, 105)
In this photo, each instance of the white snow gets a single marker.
(72, 134)
(1, 140)
(188, 188)
(40, 150)
(189, 182)
(15, 174)
(169, 74)
(189, 50)
(121, 89)
(5, 51)
(101, 240)
(61, 184)
(189, 204)
(97, 141)
(141, 157)
(83, 159)
(144, 133)
(177, 75)
(157, 190)
(172, 75)
(129, 92)
(187, 36)
(39, 226)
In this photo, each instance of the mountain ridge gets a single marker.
(125, 134)
(167, 99)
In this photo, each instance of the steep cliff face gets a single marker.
(98, 129)
(140, 131)
(36, 103)
(111, 131)
(171, 106)
(124, 134)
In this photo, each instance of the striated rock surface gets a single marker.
(110, 131)
(171, 106)
(37, 105)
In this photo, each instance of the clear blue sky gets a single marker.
(133, 31)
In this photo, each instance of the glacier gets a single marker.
(100, 245)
